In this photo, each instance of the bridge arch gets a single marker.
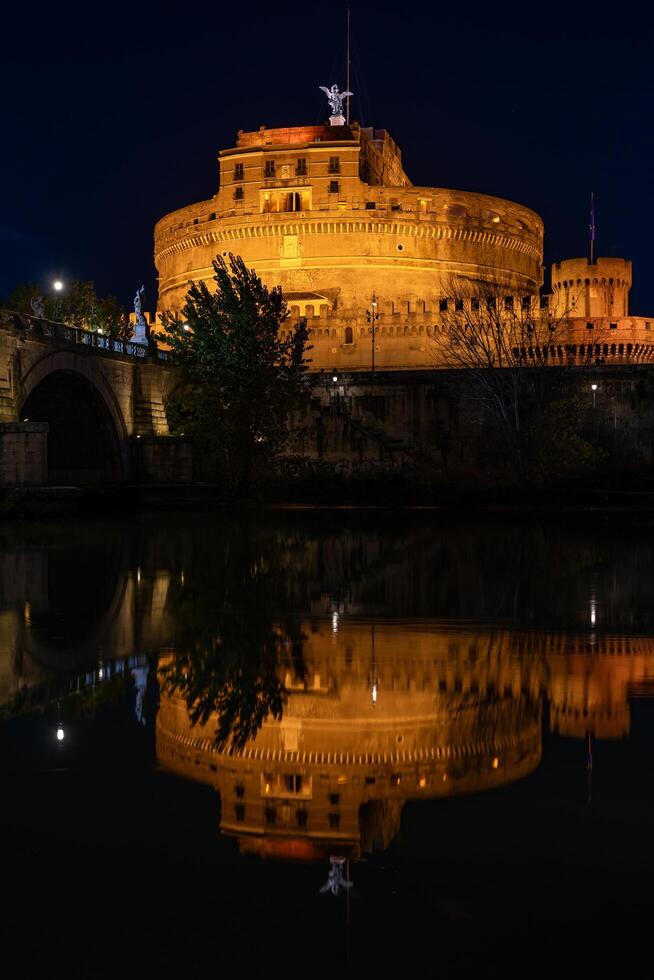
(87, 441)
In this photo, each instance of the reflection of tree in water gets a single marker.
(239, 633)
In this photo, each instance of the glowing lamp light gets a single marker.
(495, 763)
(423, 782)
(57, 285)
(593, 387)
(593, 612)
(186, 327)
(60, 734)
(334, 378)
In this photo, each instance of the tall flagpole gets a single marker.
(592, 227)
(347, 70)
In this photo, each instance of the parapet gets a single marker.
(295, 136)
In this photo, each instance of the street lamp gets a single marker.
(594, 390)
(57, 287)
(372, 316)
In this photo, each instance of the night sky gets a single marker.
(113, 116)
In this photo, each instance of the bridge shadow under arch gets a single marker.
(84, 444)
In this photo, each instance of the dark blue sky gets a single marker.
(111, 116)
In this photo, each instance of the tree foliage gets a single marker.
(243, 377)
(77, 305)
(237, 639)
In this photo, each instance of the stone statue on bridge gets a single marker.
(140, 335)
(38, 307)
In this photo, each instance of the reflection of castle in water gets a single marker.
(385, 714)
(459, 703)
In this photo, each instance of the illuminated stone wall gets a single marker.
(329, 214)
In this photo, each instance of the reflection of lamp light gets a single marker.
(374, 692)
(335, 622)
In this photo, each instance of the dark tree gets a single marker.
(243, 374)
(78, 305)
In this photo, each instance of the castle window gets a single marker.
(239, 812)
(301, 817)
(239, 789)
(238, 171)
(292, 202)
(458, 305)
(490, 302)
(269, 170)
(293, 783)
(544, 302)
(396, 207)
(647, 325)
(613, 326)
(271, 816)
(334, 165)
(370, 205)
(526, 302)
(348, 335)
(334, 821)
(589, 326)
(301, 167)
(508, 302)
(334, 187)
(474, 303)
(334, 799)
(238, 194)
(442, 305)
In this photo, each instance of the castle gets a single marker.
(328, 213)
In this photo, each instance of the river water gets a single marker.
(203, 716)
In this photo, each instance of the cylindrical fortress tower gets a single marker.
(328, 213)
(592, 290)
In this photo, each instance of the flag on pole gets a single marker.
(591, 227)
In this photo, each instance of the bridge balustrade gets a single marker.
(88, 338)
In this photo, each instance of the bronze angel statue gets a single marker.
(335, 98)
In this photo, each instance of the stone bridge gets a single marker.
(78, 407)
